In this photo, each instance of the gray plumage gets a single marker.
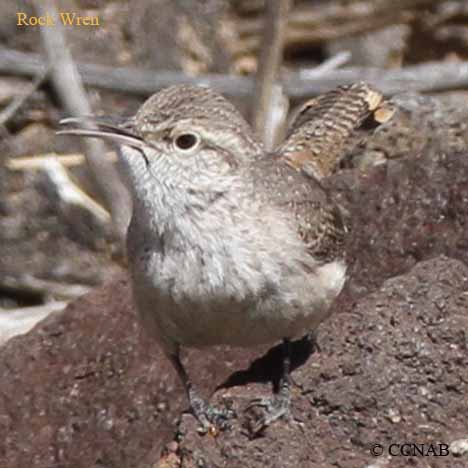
(229, 244)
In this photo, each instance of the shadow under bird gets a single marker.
(230, 244)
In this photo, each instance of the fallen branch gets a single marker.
(29, 286)
(427, 77)
(18, 321)
(88, 219)
(125, 79)
(7, 113)
(310, 24)
(333, 12)
(67, 82)
(300, 37)
(27, 163)
(70, 195)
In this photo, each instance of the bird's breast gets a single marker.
(238, 287)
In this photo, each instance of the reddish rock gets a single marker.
(84, 389)
(392, 370)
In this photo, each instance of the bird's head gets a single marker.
(181, 137)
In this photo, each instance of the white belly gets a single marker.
(186, 305)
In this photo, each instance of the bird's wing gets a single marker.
(319, 221)
(316, 141)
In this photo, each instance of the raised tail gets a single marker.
(321, 131)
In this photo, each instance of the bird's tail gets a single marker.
(321, 131)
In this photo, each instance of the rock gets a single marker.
(403, 212)
(31, 229)
(375, 361)
(82, 389)
(418, 123)
(459, 447)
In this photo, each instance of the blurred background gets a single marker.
(63, 210)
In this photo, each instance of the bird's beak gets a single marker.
(100, 128)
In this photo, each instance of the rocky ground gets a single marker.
(85, 389)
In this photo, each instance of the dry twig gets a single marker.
(314, 24)
(269, 109)
(18, 101)
(67, 82)
(18, 321)
(28, 285)
(28, 163)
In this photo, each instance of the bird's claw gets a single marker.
(275, 408)
(212, 420)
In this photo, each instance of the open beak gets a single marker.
(101, 128)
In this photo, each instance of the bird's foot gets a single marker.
(212, 420)
(274, 408)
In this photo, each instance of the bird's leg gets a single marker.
(278, 405)
(312, 337)
(209, 417)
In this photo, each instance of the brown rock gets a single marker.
(392, 370)
(80, 391)
(402, 212)
(83, 389)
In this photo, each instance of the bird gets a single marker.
(230, 244)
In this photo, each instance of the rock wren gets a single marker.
(229, 244)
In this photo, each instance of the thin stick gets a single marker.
(18, 101)
(332, 63)
(26, 163)
(267, 93)
(67, 82)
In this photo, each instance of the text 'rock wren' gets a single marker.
(229, 244)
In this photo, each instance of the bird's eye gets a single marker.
(186, 141)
